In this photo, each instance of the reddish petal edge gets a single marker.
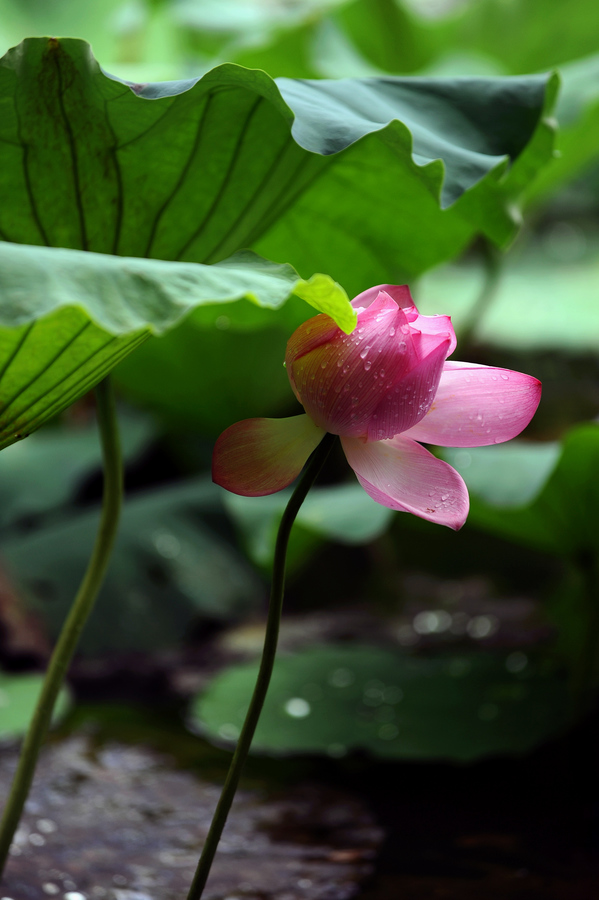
(256, 457)
(403, 475)
(478, 405)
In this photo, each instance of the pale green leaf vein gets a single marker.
(47, 365)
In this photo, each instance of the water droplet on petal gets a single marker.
(367, 365)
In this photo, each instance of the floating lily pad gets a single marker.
(334, 699)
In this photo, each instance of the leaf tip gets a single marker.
(328, 297)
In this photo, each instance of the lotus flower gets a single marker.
(383, 388)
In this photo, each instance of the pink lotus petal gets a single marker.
(431, 326)
(403, 475)
(398, 292)
(315, 332)
(478, 405)
(410, 398)
(339, 382)
(261, 456)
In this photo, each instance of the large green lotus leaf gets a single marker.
(68, 317)
(349, 174)
(563, 516)
(205, 378)
(332, 699)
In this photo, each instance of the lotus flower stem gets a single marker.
(82, 606)
(307, 479)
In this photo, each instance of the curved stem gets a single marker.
(73, 626)
(307, 479)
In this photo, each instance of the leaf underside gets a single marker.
(344, 177)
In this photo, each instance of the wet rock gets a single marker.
(120, 823)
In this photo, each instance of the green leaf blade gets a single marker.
(69, 317)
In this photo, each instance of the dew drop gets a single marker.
(297, 708)
(367, 365)
(364, 353)
(505, 377)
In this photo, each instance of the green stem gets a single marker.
(72, 628)
(307, 479)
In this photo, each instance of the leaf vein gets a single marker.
(80, 388)
(271, 171)
(185, 170)
(16, 350)
(223, 186)
(46, 367)
(73, 153)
